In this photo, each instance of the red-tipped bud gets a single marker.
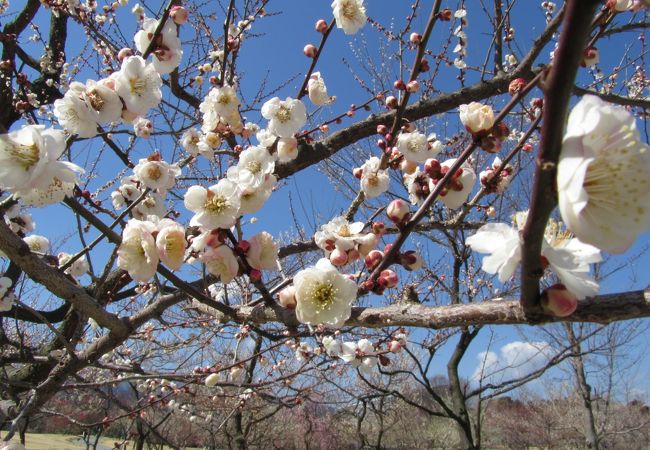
(433, 168)
(590, 57)
(357, 172)
(378, 228)
(527, 148)
(398, 211)
(424, 65)
(415, 38)
(367, 285)
(388, 279)
(373, 259)
(558, 301)
(381, 144)
(394, 346)
(243, 246)
(179, 14)
(338, 257)
(391, 102)
(353, 255)
(321, 26)
(382, 129)
(446, 14)
(516, 85)
(413, 86)
(255, 275)
(310, 51)
(388, 248)
(399, 85)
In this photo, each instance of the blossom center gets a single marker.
(95, 100)
(138, 86)
(344, 231)
(349, 11)
(373, 179)
(323, 295)
(217, 204)
(254, 166)
(283, 114)
(223, 99)
(25, 155)
(154, 172)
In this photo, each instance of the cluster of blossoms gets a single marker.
(30, 166)
(459, 32)
(500, 183)
(345, 242)
(362, 355)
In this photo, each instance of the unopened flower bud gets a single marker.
(179, 14)
(399, 85)
(388, 279)
(382, 129)
(527, 148)
(338, 257)
(590, 57)
(394, 346)
(398, 211)
(516, 85)
(413, 86)
(124, 53)
(378, 228)
(321, 26)
(287, 297)
(357, 172)
(411, 260)
(391, 102)
(310, 51)
(255, 275)
(211, 380)
(558, 301)
(373, 259)
(433, 168)
(491, 211)
(415, 38)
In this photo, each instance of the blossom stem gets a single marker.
(303, 89)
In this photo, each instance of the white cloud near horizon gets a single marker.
(514, 360)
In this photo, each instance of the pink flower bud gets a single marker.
(353, 255)
(399, 85)
(124, 53)
(413, 86)
(516, 85)
(415, 38)
(590, 57)
(558, 301)
(491, 211)
(338, 257)
(388, 279)
(394, 346)
(445, 15)
(398, 211)
(310, 51)
(527, 148)
(382, 129)
(433, 168)
(373, 259)
(287, 297)
(179, 14)
(243, 246)
(255, 275)
(357, 172)
(321, 26)
(391, 102)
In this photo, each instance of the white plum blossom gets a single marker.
(25, 154)
(153, 204)
(254, 166)
(287, 149)
(73, 114)
(323, 295)
(142, 127)
(138, 254)
(415, 147)
(303, 352)
(102, 100)
(374, 181)
(38, 244)
(318, 91)
(265, 137)
(220, 103)
(263, 252)
(171, 243)
(568, 257)
(339, 233)
(215, 207)
(285, 117)
(332, 346)
(252, 199)
(167, 51)
(360, 355)
(78, 268)
(190, 141)
(55, 183)
(602, 178)
(221, 262)
(19, 221)
(155, 173)
(476, 117)
(138, 84)
(350, 15)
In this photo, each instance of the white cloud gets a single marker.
(514, 360)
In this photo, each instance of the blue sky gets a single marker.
(276, 55)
